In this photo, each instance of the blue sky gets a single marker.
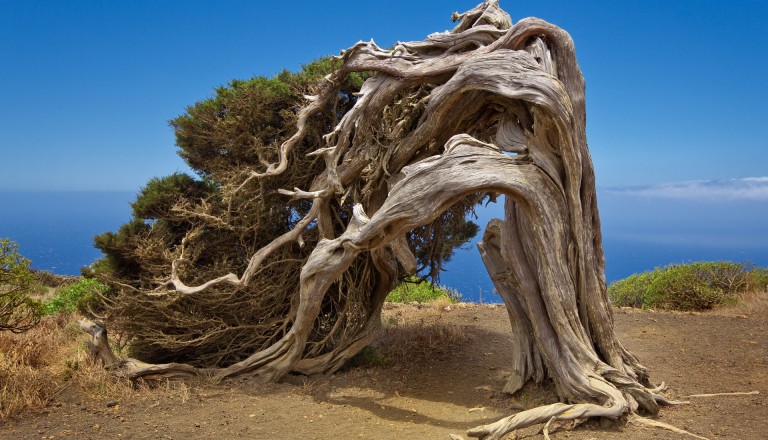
(675, 89)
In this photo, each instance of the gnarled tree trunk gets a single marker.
(488, 108)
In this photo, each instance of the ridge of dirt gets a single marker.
(452, 387)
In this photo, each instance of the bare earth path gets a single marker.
(452, 388)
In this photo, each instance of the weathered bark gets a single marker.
(130, 368)
(489, 108)
(526, 362)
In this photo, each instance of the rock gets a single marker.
(111, 403)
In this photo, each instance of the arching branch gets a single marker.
(489, 107)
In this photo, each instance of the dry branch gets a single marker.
(745, 393)
(127, 367)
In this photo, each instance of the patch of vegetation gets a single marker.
(72, 297)
(414, 344)
(18, 311)
(36, 365)
(368, 357)
(44, 278)
(202, 225)
(422, 291)
(693, 286)
(758, 278)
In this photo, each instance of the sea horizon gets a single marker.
(55, 230)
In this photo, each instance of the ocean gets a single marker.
(641, 233)
(55, 231)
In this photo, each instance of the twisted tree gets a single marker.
(490, 108)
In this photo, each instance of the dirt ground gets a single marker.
(453, 386)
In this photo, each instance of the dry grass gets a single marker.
(410, 336)
(38, 365)
(415, 343)
(747, 303)
(28, 378)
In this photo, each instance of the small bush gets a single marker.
(368, 357)
(679, 288)
(69, 298)
(758, 279)
(694, 286)
(18, 311)
(630, 292)
(410, 291)
(412, 344)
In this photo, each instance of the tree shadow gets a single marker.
(455, 384)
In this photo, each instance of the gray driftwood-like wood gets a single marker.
(490, 107)
(130, 368)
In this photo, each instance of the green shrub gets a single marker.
(683, 288)
(693, 286)
(18, 312)
(410, 291)
(368, 357)
(731, 278)
(69, 298)
(758, 278)
(630, 292)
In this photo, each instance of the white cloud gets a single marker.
(749, 189)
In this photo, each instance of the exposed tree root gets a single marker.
(545, 430)
(130, 368)
(568, 425)
(577, 413)
(744, 393)
(642, 421)
(617, 406)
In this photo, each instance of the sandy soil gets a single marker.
(452, 387)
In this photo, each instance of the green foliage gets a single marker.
(244, 123)
(368, 357)
(160, 195)
(18, 312)
(239, 128)
(224, 138)
(120, 249)
(433, 244)
(694, 286)
(72, 297)
(679, 288)
(758, 278)
(630, 292)
(412, 290)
